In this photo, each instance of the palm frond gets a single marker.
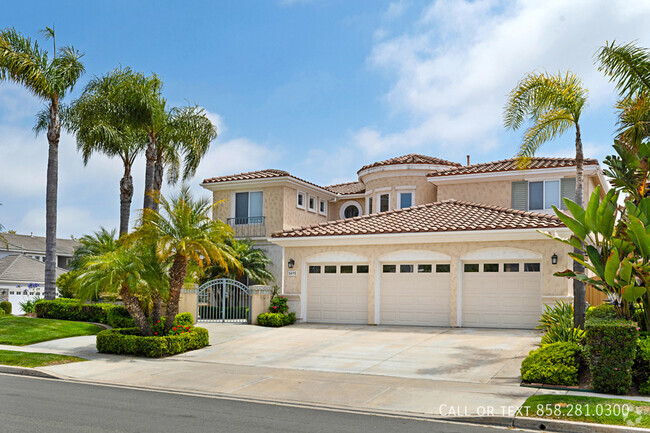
(626, 65)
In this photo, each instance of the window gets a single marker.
(424, 269)
(322, 207)
(351, 211)
(312, 204)
(471, 267)
(330, 269)
(249, 207)
(531, 267)
(511, 267)
(406, 269)
(346, 269)
(443, 268)
(405, 199)
(543, 195)
(389, 269)
(369, 205)
(384, 202)
(362, 269)
(300, 200)
(314, 269)
(491, 267)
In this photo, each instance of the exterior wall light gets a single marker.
(554, 259)
(291, 263)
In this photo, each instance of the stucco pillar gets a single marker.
(455, 278)
(260, 301)
(372, 265)
(188, 302)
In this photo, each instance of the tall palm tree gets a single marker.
(24, 62)
(254, 265)
(553, 104)
(98, 118)
(183, 232)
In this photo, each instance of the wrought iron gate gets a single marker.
(223, 300)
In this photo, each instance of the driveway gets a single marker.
(449, 354)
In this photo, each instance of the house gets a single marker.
(417, 240)
(21, 279)
(34, 247)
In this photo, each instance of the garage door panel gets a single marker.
(337, 298)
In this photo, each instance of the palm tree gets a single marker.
(100, 242)
(183, 232)
(24, 62)
(254, 264)
(98, 120)
(553, 104)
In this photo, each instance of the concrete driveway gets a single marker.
(449, 354)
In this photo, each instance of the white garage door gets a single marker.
(337, 293)
(415, 294)
(505, 294)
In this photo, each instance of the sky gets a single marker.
(315, 87)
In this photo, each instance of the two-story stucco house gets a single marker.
(417, 240)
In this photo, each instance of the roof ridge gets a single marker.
(343, 183)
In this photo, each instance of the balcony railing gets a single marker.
(249, 227)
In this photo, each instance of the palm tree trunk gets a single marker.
(53, 136)
(579, 294)
(132, 305)
(156, 312)
(176, 280)
(126, 196)
(150, 155)
(159, 171)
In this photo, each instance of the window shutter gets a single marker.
(568, 190)
(520, 195)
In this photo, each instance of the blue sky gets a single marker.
(315, 87)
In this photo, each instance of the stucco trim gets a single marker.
(345, 205)
(414, 255)
(505, 175)
(337, 257)
(504, 253)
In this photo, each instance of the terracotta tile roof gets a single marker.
(510, 165)
(260, 174)
(347, 188)
(411, 158)
(444, 216)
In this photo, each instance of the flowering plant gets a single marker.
(279, 305)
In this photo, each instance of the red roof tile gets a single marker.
(347, 188)
(269, 173)
(510, 165)
(411, 158)
(445, 216)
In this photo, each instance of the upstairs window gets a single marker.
(312, 203)
(384, 202)
(543, 194)
(405, 199)
(369, 205)
(249, 207)
(300, 200)
(322, 207)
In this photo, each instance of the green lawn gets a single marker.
(588, 409)
(20, 331)
(28, 359)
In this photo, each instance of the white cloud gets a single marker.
(453, 68)
(217, 121)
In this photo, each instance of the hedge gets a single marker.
(612, 346)
(5, 306)
(642, 366)
(553, 364)
(603, 311)
(127, 341)
(276, 320)
(113, 315)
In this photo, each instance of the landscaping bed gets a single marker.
(128, 341)
(21, 331)
(30, 359)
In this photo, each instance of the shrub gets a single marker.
(184, 319)
(611, 345)
(70, 309)
(127, 341)
(557, 324)
(29, 305)
(604, 311)
(5, 306)
(642, 365)
(2, 312)
(553, 364)
(276, 319)
(65, 284)
(119, 317)
(278, 305)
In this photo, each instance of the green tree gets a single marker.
(254, 264)
(100, 242)
(24, 62)
(552, 104)
(183, 233)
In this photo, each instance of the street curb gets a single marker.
(542, 424)
(24, 371)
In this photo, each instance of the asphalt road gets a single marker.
(43, 405)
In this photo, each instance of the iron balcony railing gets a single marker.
(249, 227)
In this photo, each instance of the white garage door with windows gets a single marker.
(501, 294)
(337, 293)
(415, 294)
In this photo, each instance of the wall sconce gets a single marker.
(554, 259)
(291, 263)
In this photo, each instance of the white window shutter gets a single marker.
(520, 195)
(568, 190)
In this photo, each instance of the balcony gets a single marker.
(249, 227)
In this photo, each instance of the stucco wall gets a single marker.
(425, 192)
(495, 193)
(273, 206)
(296, 217)
(552, 287)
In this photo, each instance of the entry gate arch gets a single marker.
(224, 300)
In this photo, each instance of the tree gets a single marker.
(183, 232)
(627, 65)
(254, 264)
(100, 242)
(98, 119)
(24, 62)
(553, 104)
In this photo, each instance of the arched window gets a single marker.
(350, 209)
